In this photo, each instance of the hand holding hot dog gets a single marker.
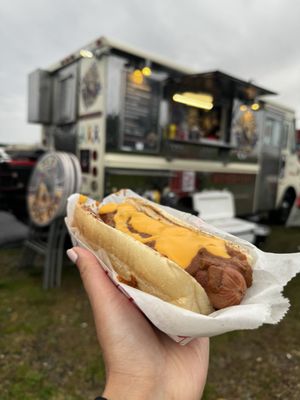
(141, 362)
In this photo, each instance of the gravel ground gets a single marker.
(48, 348)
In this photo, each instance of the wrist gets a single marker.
(127, 387)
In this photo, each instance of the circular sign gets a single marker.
(56, 176)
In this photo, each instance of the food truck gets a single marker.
(136, 120)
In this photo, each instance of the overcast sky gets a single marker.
(249, 39)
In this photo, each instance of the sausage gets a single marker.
(225, 280)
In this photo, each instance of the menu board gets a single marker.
(140, 113)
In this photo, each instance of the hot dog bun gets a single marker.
(138, 264)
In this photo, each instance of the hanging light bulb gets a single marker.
(137, 77)
(255, 106)
(146, 71)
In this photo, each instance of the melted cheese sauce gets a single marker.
(82, 199)
(178, 243)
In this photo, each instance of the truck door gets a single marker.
(289, 174)
(270, 158)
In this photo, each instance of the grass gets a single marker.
(48, 346)
(44, 335)
(265, 363)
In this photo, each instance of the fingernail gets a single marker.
(72, 255)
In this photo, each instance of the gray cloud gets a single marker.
(249, 39)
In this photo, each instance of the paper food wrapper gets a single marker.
(263, 302)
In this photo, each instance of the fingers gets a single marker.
(114, 315)
(100, 290)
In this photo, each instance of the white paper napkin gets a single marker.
(263, 303)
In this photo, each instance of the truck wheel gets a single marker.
(285, 209)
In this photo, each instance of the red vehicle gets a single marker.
(15, 170)
(298, 141)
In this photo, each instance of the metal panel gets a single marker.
(65, 95)
(90, 150)
(65, 138)
(39, 97)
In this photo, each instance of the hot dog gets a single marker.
(164, 256)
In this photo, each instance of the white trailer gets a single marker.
(136, 120)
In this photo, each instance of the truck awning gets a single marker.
(218, 84)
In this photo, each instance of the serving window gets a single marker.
(194, 124)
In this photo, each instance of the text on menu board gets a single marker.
(140, 114)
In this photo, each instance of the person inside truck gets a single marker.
(141, 362)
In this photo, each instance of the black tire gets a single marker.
(284, 210)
